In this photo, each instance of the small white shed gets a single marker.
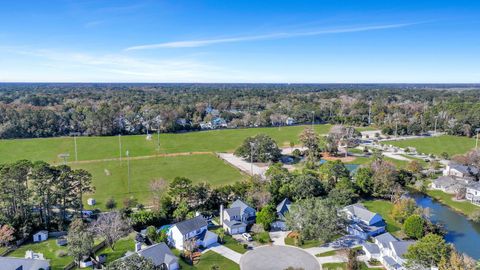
(40, 236)
(91, 201)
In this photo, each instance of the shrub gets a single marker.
(475, 216)
(110, 203)
(414, 227)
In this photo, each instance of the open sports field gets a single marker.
(436, 145)
(96, 148)
(110, 178)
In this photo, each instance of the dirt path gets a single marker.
(141, 157)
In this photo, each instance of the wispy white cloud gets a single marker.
(282, 35)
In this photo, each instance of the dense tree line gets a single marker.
(40, 196)
(43, 110)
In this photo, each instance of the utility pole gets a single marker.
(158, 138)
(120, 145)
(128, 170)
(476, 142)
(435, 129)
(251, 157)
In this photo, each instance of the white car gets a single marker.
(247, 236)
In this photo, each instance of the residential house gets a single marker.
(160, 254)
(448, 185)
(290, 121)
(282, 209)
(473, 193)
(388, 250)
(219, 122)
(236, 218)
(461, 171)
(40, 236)
(11, 263)
(191, 229)
(362, 222)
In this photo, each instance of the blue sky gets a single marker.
(337, 41)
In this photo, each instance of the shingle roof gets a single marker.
(445, 181)
(401, 247)
(242, 205)
(284, 206)
(158, 253)
(27, 264)
(464, 169)
(372, 248)
(234, 224)
(234, 211)
(191, 225)
(360, 212)
(474, 185)
(385, 239)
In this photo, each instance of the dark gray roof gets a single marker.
(384, 239)
(401, 247)
(391, 262)
(191, 225)
(11, 263)
(372, 248)
(464, 169)
(158, 253)
(242, 205)
(234, 224)
(360, 212)
(445, 181)
(234, 211)
(474, 185)
(283, 207)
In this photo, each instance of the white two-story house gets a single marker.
(473, 193)
(236, 218)
(362, 222)
(191, 229)
(388, 250)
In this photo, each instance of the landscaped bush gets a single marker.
(262, 238)
(61, 253)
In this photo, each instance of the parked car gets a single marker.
(247, 236)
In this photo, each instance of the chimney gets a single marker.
(138, 246)
(221, 215)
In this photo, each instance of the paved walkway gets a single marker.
(243, 165)
(225, 252)
(278, 238)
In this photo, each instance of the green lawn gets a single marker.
(50, 251)
(121, 247)
(327, 254)
(207, 261)
(343, 266)
(232, 244)
(464, 207)
(110, 178)
(384, 208)
(94, 148)
(306, 243)
(436, 145)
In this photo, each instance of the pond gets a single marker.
(463, 233)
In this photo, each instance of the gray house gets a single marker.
(388, 250)
(11, 263)
(473, 193)
(282, 209)
(362, 222)
(159, 254)
(236, 218)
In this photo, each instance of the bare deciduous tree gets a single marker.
(157, 188)
(111, 227)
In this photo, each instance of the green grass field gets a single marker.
(464, 207)
(110, 178)
(384, 208)
(95, 148)
(436, 145)
(207, 262)
(50, 250)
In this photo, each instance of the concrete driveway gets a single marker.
(225, 252)
(278, 257)
(278, 237)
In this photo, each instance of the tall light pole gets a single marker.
(396, 128)
(435, 129)
(120, 146)
(476, 141)
(128, 169)
(75, 134)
